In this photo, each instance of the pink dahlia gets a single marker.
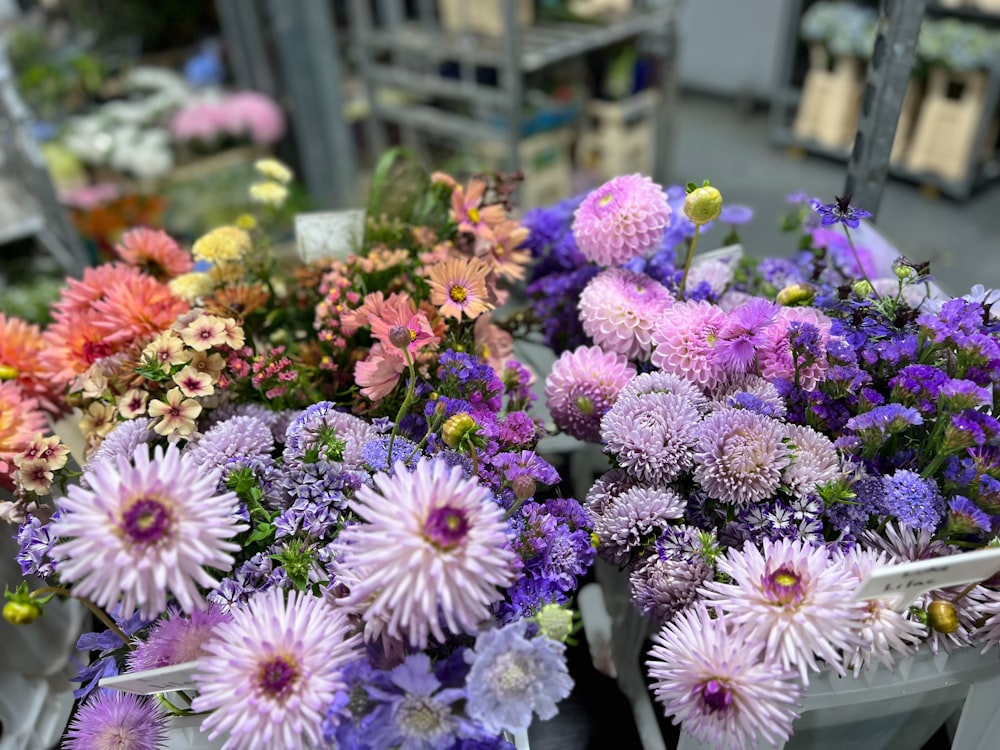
(269, 675)
(794, 597)
(740, 456)
(624, 218)
(814, 461)
(619, 309)
(774, 353)
(684, 342)
(155, 252)
(711, 678)
(142, 531)
(435, 546)
(885, 633)
(582, 386)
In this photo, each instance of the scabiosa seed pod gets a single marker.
(942, 616)
(555, 621)
(703, 204)
(457, 428)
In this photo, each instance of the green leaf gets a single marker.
(262, 532)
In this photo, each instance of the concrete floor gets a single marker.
(720, 141)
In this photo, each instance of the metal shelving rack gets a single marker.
(396, 51)
(787, 96)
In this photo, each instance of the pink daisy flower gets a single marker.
(436, 548)
(468, 210)
(145, 530)
(155, 252)
(582, 386)
(619, 309)
(684, 342)
(270, 674)
(793, 597)
(624, 218)
(774, 356)
(711, 678)
(459, 287)
(378, 374)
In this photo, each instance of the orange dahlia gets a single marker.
(20, 346)
(155, 252)
(20, 421)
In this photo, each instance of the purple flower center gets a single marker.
(277, 675)
(715, 696)
(146, 521)
(784, 586)
(446, 527)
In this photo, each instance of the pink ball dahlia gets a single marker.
(774, 354)
(795, 598)
(624, 218)
(619, 309)
(145, 530)
(436, 548)
(710, 676)
(269, 675)
(582, 386)
(684, 342)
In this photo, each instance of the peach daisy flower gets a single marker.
(499, 249)
(378, 373)
(175, 415)
(468, 210)
(133, 403)
(167, 349)
(20, 420)
(98, 421)
(155, 252)
(194, 383)
(458, 287)
(493, 343)
(20, 348)
(204, 332)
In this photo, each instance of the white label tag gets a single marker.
(906, 582)
(329, 234)
(150, 681)
(730, 255)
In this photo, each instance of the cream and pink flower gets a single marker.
(204, 332)
(459, 288)
(193, 382)
(132, 403)
(619, 310)
(499, 248)
(175, 414)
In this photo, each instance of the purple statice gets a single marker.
(109, 646)
(517, 381)
(632, 518)
(916, 502)
(35, 541)
(512, 465)
(964, 517)
(113, 720)
(553, 302)
(323, 432)
(237, 437)
(513, 677)
(375, 453)
(918, 386)
(550, 238)
(780, 272)
(420, 712)
(885, 420)
(959, 394)
(517, 430)
(462, 375)
(954, 323)
(841, 212)
(969, 428)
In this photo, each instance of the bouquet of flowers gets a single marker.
(776, 432)
(318, 489)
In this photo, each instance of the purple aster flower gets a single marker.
(605, 489)
(665, 382)
(795, 597)
(582, 387)
(421, 715)
(237, 437)
(711, 678)
(633, 517)
(842, 212)
(269, 674)
(663, 586)
(277, 421)
(513, 677)
(145, 530)
(624, 218)
(747, 391)
(736, 348)
(814, 461)
(122, 441)
(175, 639)
(35, 542)
(433, 548)
(525, 464)
(619, 309)
(653, 436)
(964, 517)
(736, 215)
(110, 720)
(916, 502)
(740, 456)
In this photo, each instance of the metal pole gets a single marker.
(513, 82)
(888, 77)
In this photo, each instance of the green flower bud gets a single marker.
(703, 204)
(21, 613)
(862, 289)
(796, 294)
(457, 429)
(941, 616)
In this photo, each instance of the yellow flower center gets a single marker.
(474, 215)
(8, 372)
(605, 200)
(785, 579)
(458, 293)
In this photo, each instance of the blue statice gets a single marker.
(462, 375)
(916, 502)
(885, 420)
(514, 676)
(375, 453)
(553, 303)
(969, 428)
(109, 647)
(35, 541)
(918, 386)
(964, 517)
(550, 238)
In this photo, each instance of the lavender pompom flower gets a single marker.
(323, 432)
(632, 517)
(624, 218)
(711, 678)
(653, 437)
(916, 502)
(665, 382)
(113, 720)
(663, 585)
(581, 388)
(619, 309)
(237, 437)
(513, 676)
(740, 456)
(814, 461)
(684, 342)
(123, 441)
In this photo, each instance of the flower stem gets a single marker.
(963, 592)
(433, 427)
(857, 259)
(687, 261)
(407, 400)
(98, 612)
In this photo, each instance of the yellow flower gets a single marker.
(192, 285)
(177, 414)
(222, 245)
(269, 193)
(223, 273)
(273, 169)
(246, 222)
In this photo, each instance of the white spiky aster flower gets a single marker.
(794, 597)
